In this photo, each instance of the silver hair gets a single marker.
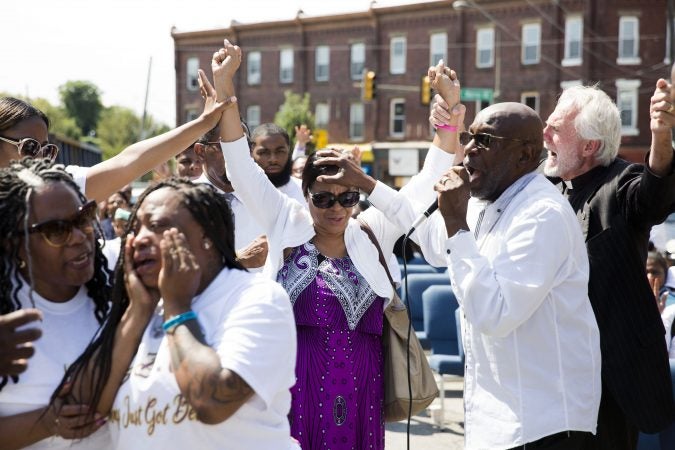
(598, 119)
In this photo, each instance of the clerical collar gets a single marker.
(584, 179)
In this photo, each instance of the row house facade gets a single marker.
(503, 50)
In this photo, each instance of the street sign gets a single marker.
(474, 94)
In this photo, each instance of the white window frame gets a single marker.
(191, 114)
(438, 48)
(254, 68)
(533, 94)
(627, 91)
(251, 112)
(357, 59)
(397, 60)
(485, 41)
(393, 118)
(574, 32)
(286, 65)
(634, 58)
(357, 111)
(322, 63)
(569, 83)
(321, 110)
(666, 58)
(530, 37)
(192, 73)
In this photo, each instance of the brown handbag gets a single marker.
(397, 398)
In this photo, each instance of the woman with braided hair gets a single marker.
(197, 352)
(51, 262)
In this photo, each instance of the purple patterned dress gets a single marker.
(338, 396)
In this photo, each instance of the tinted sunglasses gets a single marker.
(33, 148)
(57, 232)
(326, 200)
(482, 140)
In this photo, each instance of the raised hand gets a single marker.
(15, 346)
(213, 107)
(453, 197)
(180, 275)
(350, 173)
(302, 135)
(445, 81)
(662, 108)
(224, 65)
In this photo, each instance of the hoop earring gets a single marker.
(21, 263)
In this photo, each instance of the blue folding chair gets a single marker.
(417, 284)
(442, 327)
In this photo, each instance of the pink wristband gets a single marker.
(447, 127)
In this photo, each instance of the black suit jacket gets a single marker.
(617, 207)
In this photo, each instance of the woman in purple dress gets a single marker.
(332, 273)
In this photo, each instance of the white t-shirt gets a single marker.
(67, 329)
(79, 175)
(111, 250)
(248, 320)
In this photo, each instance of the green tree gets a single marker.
(59, 120)
(117, 129)
(295, 111)
(82, 101)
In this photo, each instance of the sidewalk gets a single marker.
(424, 434)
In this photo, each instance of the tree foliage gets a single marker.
(295, 111)
(59, 120)
(117, 129)
(82, 101)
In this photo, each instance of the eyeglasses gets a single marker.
(482, 140)
(57, 232)
(325, 200)
(31, 147)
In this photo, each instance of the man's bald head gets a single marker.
(515, 142)
(514, 120)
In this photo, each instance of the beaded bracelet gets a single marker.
(174, 321)
(447, 127)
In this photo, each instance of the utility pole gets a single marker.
(145, 104)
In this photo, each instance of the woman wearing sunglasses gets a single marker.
(24, 132)
(50, 261)
(332, 273)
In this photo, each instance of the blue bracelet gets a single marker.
(174, 321)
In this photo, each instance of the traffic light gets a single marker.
(368, 85)
(425, 91)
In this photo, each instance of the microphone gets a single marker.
(422, 217)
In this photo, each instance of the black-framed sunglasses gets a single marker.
(33, 148)
(482, 140)
(57, 232)
(325, 200)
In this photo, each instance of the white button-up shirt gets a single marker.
(531, 341)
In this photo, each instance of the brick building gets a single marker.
(503, 50)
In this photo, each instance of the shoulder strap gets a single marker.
(366, 228)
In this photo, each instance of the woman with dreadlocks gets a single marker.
(24, 132)
(50, 262)
(213, 346)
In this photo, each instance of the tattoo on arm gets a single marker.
(200, 376)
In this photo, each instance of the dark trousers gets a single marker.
(565, 440)
(615, 431)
